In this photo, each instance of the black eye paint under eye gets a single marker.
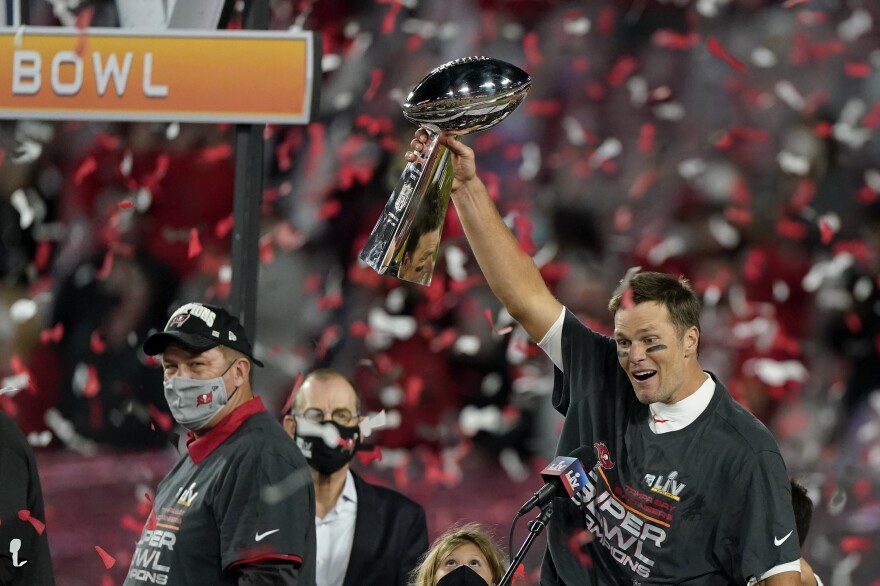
(622, 353)
(656, 348)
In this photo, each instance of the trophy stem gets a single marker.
(405, 241)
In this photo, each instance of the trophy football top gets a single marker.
(467, 95)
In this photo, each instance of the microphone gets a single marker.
(565, 475)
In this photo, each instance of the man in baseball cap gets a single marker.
(239, 505)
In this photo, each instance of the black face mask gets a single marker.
(462, 576)
(325, 459)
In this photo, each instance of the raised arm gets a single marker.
(510, 272)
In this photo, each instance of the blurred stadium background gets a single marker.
(732, 141)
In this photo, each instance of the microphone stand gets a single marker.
(535, 528)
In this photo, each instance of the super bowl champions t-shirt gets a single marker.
(248, 499)
(705, 505)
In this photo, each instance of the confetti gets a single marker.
(25, 515)
(108, 560)
(715, 48)
(195, 247)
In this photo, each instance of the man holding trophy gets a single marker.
(687, 487)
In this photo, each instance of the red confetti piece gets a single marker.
(532, 49)
(106, 267)
(388, 22)
(106, 580)
(607, 20)
(372, 455)
(288, 404)
(53, 334)
(488, 315)
(853, 322)
(716, 50)
(329, 338)
(872, 118)
(375, 81)
(267, 252)
(195, 247)
(93, 383)
(414, 43)
(739, 216)
(43, 253)
(109, 560)
(331, 301)
(669, 39)
(126, 204)
(623, 218)
(165, 421)
(647, 132)
(25, 515)
(642, 184)
(224, 226)
(623, 68)
(86, 168)
(217, 153)
(853, 543)
(96, 344)
(359, 329)
(803, 194)
(826, 230)
(857, 70)
(544, 108)
(788, 228)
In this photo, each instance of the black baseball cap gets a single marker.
(200, 327)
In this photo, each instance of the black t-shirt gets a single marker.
(248, 499)
(20, 491)
(705, 505)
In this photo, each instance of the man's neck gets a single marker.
(328, 489)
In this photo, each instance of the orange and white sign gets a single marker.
(185, 76)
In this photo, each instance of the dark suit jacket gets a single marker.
(390, 535)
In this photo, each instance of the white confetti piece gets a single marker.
(22, 310)
(456, 260)
(792, 163)
(531, 161)
(26, 215)
(859, 23)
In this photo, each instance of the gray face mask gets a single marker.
(194, 402)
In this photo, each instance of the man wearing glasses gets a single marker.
(367, 534)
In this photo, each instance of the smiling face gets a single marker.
(660, 364)
(467, 554)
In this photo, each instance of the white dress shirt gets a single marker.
(335, 536)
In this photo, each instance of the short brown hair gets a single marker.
(455, 537)
(673, 293)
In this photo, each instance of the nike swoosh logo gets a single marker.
(776, 540)
(260, 536)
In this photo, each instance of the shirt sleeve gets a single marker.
(265, 510)
(268, 574)
(551, 343)
(590, 367)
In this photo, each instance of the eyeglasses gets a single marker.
(315, 415)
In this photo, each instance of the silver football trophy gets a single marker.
(460, 97)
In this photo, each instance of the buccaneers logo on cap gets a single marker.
(177, 320)
(603, 456)
(205, 399)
